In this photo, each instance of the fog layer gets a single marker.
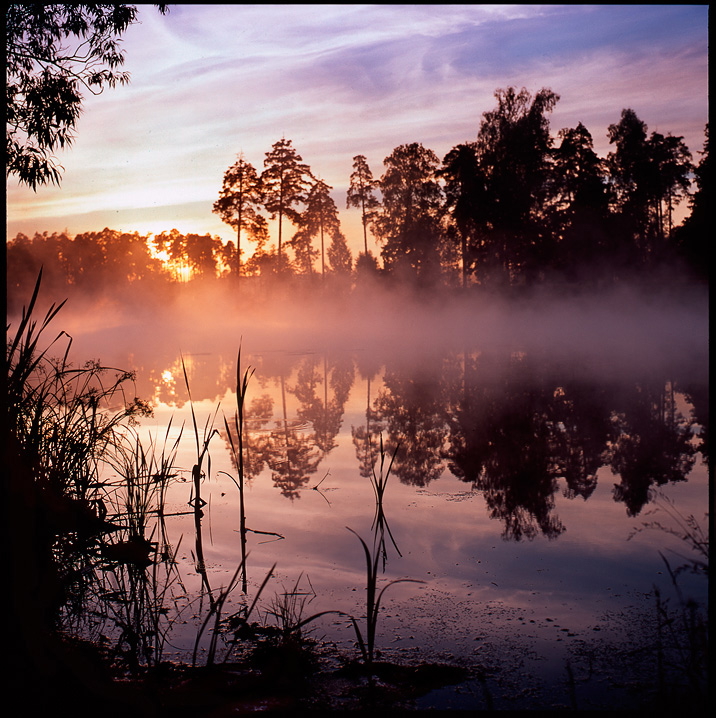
(627, 330)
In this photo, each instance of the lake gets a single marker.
(532, 442)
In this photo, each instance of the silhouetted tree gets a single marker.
(513, 149)
(320, 218)
(629, 169)
(580, 201)
(201, 252)
(173, 244)
(25, 258)
(286, 182)
(408, 222)
(671, 172)
(465, 197)
(693, 236)
(366, 269)
(340, 260)
(54, 52)
(239, 199)
(648, 173)
(361, 194)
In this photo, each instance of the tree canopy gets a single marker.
(54, 53)
(286, 181)
(515, 206)
(240, 199)
(408, 221)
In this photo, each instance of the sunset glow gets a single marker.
(210, 81)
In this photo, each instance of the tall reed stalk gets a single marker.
(380, 525)
(237, 450)
(373, 599)
(196, 502)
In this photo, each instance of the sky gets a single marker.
(211, 81)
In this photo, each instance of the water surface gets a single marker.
(534, 440)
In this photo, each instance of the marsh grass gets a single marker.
(681, 647)
(373, 599)
(91, 553)
(140, 568)
(62, 424)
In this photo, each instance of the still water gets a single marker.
(533, 443)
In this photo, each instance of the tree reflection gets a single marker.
(365, 439)
(325, 413)
(502, 436)
(582, 421)
(511, 425)
(653, 446)
(291, 453)
(255, 436)
(409, 409)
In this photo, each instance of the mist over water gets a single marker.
(612, 332)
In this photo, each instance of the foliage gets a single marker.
(286, 181)
(239, 199)
(465, 197)
(361, 194)
(513, 149)
(340, 261)
(320, 218)
(692, 236)
(54, 52)
(408, 222)
(508, 208)
(649, 174)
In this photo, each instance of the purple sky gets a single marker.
(210, 81)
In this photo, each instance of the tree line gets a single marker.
(515, 206)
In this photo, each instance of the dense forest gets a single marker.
(514, 207)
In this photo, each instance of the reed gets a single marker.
(682, 655)
(136, 595)
(197, 474)
(288, 608)
(237, 450)
(63, 423)
(372, 557)
(373, 599)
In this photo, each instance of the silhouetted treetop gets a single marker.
(238, 205)
(286, 182)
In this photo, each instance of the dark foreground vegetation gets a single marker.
(90, 565)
